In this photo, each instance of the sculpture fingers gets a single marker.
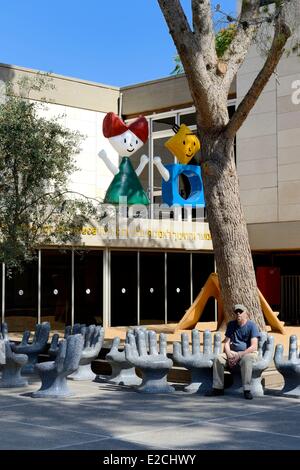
(293, 348)
(207, 343)
(60, 358)
(115, 344)
(163, 344)
(177, 351)
(68, 331)
(152, 343)
(195, 342)
(25, 338)
(54, 342)
(278, 358)
(131, 355)
(132, 343)
(141, 343)
(185, 345)
(4, 331)
(217, 344)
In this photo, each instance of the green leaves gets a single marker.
(224, 38)
(36, 161)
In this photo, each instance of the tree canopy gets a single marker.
(36, 161)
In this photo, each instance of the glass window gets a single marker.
(56, 288)
(163, 124)
(135, 160)
(152, 288)
(178, 285)
(88, 287)
(123, 288)
(203, 266)
(21, 298)
(188, 119)
(159, 150)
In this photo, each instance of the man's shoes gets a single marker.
(215, 392)
(248, 395)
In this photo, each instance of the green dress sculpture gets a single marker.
(125, 140)
(126, 184)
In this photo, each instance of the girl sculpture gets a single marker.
(126, 140)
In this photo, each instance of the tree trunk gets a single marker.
(228, 227)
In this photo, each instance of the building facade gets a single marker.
(151, 270)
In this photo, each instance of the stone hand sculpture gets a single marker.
(3, 338)
(4, 331)
(69, 330)
(265, 352)
(53, 374)
(123, 372)
(93, 339)
(153, 365)
(198, 362)
(36, 347)
(11, 370)
(289, 367)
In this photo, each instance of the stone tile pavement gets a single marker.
(102, 416)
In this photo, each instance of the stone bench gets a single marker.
(34, 348)
(53, 374)
(123, 372)
(198, 362)
(11, 370)
(289, 367)
(154, 365)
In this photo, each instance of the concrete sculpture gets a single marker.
(53, 374)
(93, 340)
(69, 330)
(183, 145)
(198, 362)
(11, 370)
(153, 365)
(4, 331)
(3, 338)
(36, 347)
(289, 367)
(123, 372)
(126, 140)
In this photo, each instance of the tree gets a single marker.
(36, 160)
(209, 78)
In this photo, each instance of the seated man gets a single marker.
(240, 347)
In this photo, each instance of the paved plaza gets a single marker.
(102, 416)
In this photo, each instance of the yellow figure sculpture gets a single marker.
(184, 144)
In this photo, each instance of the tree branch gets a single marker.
(176, 19)
(281, 35)
(238, 49)
(200, 81)
(204, 30)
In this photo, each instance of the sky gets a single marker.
(115, 42)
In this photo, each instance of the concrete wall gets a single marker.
(80, 106)
(158, 96)
(268, 144)
(68, 91)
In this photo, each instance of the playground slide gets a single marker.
(212, 289)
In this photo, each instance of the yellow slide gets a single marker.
(212, 289)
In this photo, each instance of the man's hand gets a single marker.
(233, 358)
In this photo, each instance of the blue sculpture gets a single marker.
(170, 188)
